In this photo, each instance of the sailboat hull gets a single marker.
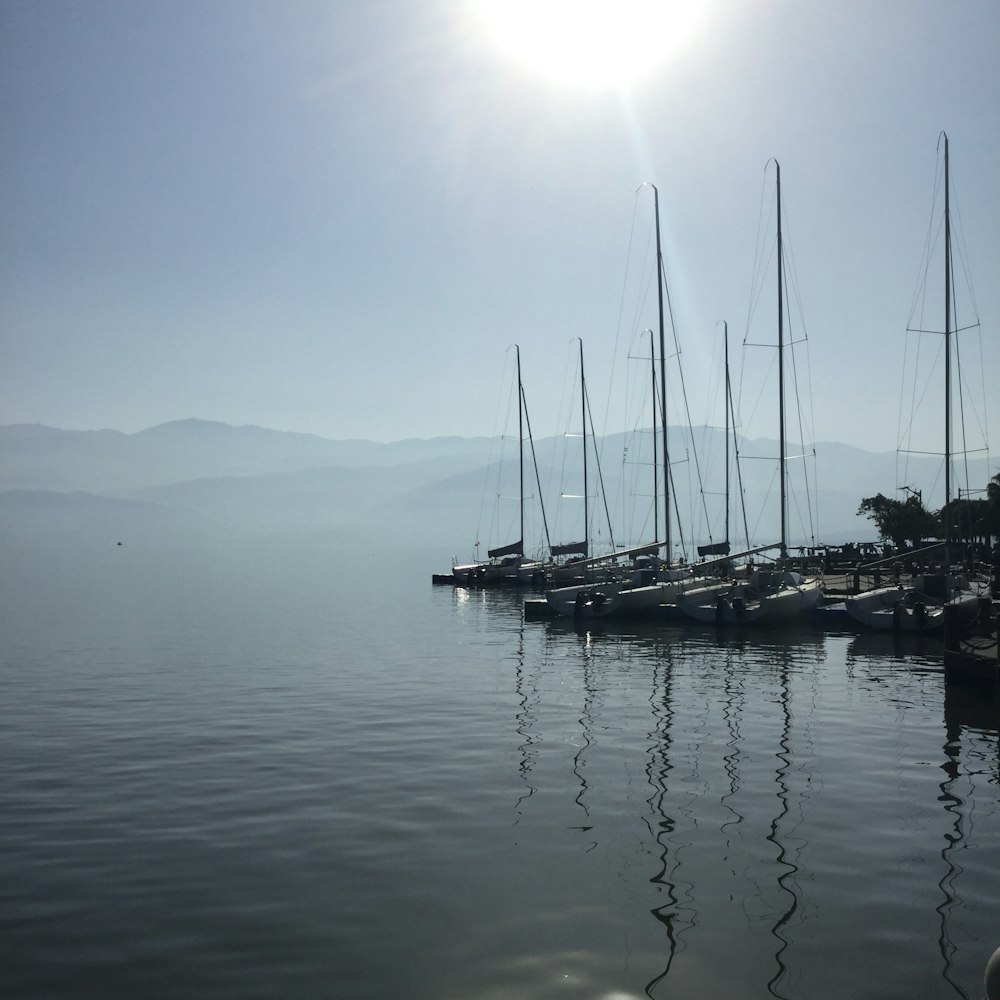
(750, 604)
(605, 600)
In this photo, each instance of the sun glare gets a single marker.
(593, 44)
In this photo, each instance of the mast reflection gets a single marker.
(658, 769)
(587, 739)
(786, 879)
(527, 699)
(954, 838)
(732, 713)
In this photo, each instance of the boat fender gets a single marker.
(919, 611)
(739, 608)
(720, 609)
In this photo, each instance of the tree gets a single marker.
(993, 506)
(900, 521)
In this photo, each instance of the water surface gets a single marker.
(291, 770)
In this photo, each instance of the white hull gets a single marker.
(896, 609)
(907, 609)
(747, 604)
(602, 600)
(509, 573)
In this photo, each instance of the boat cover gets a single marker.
(570, 549)
(716, 549)
(514, 549)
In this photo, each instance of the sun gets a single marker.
(593, 44)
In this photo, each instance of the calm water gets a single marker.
(286, 771)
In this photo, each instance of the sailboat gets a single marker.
(630, 594)
(913, 608)
(772, 595)
(507, 564)
(602, 594)
(570, 568)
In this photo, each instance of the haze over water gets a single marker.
(293, 770)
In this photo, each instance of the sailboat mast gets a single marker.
(947, 351)
(725, 330)
(520, 433)
(656, 463)
(583, 420)
(781, 373)
(663, 378)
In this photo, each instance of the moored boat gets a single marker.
(768, 596)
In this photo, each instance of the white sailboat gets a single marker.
(626, 593)
(506, 564)
(575, 554)
(772, 595)
(920, 606)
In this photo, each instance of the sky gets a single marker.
(337, 217)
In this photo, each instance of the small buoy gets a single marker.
(119, 543)
(992, 978)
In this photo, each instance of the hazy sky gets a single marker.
(336, 217)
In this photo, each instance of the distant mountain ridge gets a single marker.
(35, 456)
(200, 479)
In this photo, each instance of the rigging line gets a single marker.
(812, 430)
(629, 435)
(534, 459)
(816, 526)
(715, 390)
(764, 506)
(913, 403)
(802, 438)
(760, 279)
(982, 375)
(489, 460)
(676, 509)
(805, 464)
(621, 311)
(739, 471)
(804, 526)
(756, 275)
(793, 280)
(495, 524)
(954, 329)
(763, 387)
(959, 241)
(569, 391)
(920, 291)
(600, 475)
(772, 345)
(899, 410)
(930, 374)
(961, 395)
(740, 381)
(649, 395)
(687, 408)
(636, 437)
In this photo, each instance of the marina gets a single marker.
(660, 337)
(935, 578)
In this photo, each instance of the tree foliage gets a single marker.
(993, 506)
(900, 521)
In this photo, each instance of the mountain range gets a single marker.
(196, 479)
